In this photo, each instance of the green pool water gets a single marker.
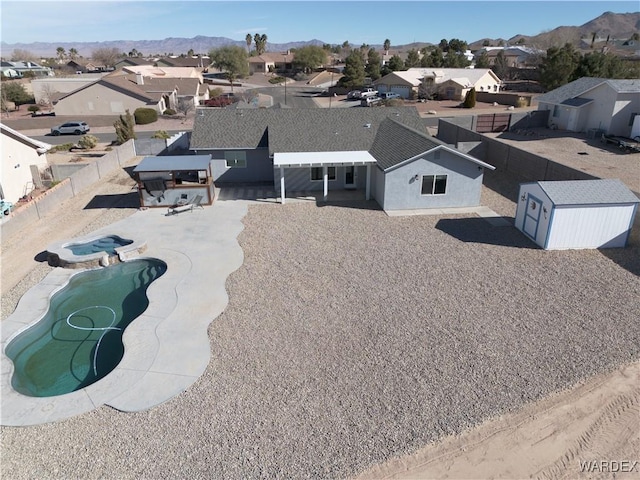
(79, 340)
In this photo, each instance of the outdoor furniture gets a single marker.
(183, 206)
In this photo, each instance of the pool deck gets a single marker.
(167, 348)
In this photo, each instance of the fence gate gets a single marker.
(496, 122)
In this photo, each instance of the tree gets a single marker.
(396, 64)
(106, 56)
(386, 46)
(125, 128)
(353, 71)
(23, 55)
(232, 60)
(413, 59)
(248, 39)
(470, 99)
(602, 65)
(16, 93)
(427, 89)
(558, 66)
(48, 94)
(483, 60)
(372, 69)
(309, 57)
(191, 53)
(434, 59)
(184, 106)
(73, 53)
(500, 65)
(260, 42)
(61, 53)
(455, 59)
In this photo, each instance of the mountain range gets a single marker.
(620, 26)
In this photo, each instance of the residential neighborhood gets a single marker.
(322, 260)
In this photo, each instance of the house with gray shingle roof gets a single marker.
(594, 104)
(385, 152)
(575, 214)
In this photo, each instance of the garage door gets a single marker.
(401, 90)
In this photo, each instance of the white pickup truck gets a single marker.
(368, 92)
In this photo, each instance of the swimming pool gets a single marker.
(79, 339)
(106, 244)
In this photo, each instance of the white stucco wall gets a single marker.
(99, 100)
(15, 176)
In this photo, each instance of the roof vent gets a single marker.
(367, 125)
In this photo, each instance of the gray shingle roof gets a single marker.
(570, 90)
(396, 143)
(296, 130)
(583, 192)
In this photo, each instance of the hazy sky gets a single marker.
(358, 22)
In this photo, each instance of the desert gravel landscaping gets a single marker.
(351, 338)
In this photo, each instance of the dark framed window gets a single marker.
(434, 184)
(235, 159)
(316, 173)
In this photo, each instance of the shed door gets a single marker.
(532, 216)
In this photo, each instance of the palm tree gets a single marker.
(61, 53)
(73, 53)
(248, 39)
(386, 46)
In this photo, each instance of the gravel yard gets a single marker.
(352, 337)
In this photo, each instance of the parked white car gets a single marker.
(388, 95)
(74, 128)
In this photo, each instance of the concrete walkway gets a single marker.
(167, 348)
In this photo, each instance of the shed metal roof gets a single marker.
(173, 163)
(588, 192)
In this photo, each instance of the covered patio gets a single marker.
(341, 168)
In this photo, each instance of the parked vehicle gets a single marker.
(74, 128)
(388, 95)
(369, 92)
(370, 101)
(354, 95)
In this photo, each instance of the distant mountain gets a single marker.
(617, 26)
(175, 46)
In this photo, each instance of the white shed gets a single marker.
(576, 214)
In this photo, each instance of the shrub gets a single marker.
(161, 134)
(144, 116)
(470, 99)
(169, 111)
(276, 80)
(33, 108)
(63, 147)
(88, 142)
(215, 92)
(522, 102)
(124, 128)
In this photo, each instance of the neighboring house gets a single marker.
(449, 83)
(132, 62)
(113, 95)
(378, 150)
(576, 213)
(22, 160)
(199, 63)
(47, 91)
(516, 57)
(18, 69)
(270, 62)
(598, 104)
(164, 72)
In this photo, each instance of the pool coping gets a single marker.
(167, 347)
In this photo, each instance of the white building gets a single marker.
(574, 214)
(22, 158)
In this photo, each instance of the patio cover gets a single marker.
(322, 159)
(174, 163)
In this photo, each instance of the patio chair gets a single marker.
(195, 203)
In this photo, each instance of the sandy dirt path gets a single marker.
(598, 421)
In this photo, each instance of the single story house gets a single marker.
(132, 62)
(385, 152)
(167, 181)
(50, 89)
(115, 93)
(575, 214)
(199, 63)
(515, 56)
(18, 69)
(23, 159)
(449, 83)
(593, 104)
(270, 62)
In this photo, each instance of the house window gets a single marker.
(556, 111)
(316, 173)
(434, 184)
(236, 159)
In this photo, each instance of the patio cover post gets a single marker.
(367, 188)
(282, 195)
(325, 177)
